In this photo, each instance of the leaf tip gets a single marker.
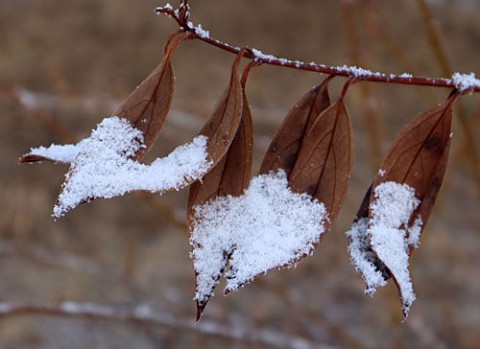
(200, 308)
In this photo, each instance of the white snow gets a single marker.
(267, 227)
(390, 213)
(386, 235)
(269, 58)
(362, 256)
(358, 71)
(198, 29)
(413, 239)
(465, 82)
(102, 165)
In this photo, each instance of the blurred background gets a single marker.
(65, 65)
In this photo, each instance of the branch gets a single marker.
(465, 83)
(145, 314)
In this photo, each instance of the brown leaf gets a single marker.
(324, 163)
(230, 139)
(230, 176)
(232, 173)
(222, 125)
(31, 158)
(418, 156)
(148, 105)
(417, 159)
(283, 150)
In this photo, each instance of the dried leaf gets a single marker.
(418, 155)
(148, 105)
(222, 125)
(324, 162)
(31, 158)
(230, 176)
(105, 164)
(283, 150)
(232, 173)
(396, 209)
(269, 226)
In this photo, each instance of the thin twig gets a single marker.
(182, 14)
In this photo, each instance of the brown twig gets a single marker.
(182, 14)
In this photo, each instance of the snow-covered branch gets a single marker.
(465, 83)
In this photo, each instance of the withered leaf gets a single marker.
(324, 162)
(417, 156)
(230, 176)
(146, 108)
(148, 105)
(105, 165)
(221, 127)
(283, 150)
(401, 199)
(269, 226)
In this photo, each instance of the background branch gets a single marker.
(146, 314)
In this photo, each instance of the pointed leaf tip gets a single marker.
(200, 310)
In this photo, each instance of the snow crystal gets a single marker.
(268, 226)
(465, 82)
(102, 165)
(391, 211)
(362, 256)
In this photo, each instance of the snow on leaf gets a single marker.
(268, 227)
(363, 257)
(390, 211)
(56, 153)
(102, 165)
